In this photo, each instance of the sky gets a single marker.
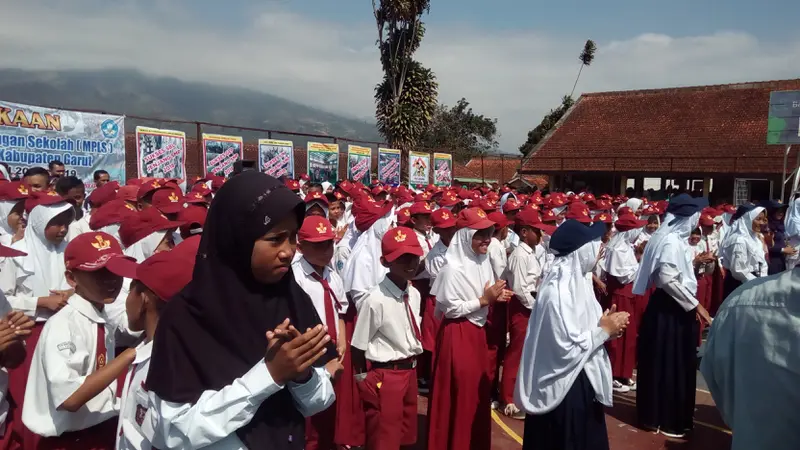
(511, 59)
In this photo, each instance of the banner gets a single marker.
(33, 136)
(419, 170)
(442, 169)
(161, 153)
(323, 162)
(389, 166)
(359, 163)
(276, 158)
(220, 152)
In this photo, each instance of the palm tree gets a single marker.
(586, 57)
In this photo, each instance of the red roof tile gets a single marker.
(497, 168)
(704, 129)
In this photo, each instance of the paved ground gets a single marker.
(710, 432)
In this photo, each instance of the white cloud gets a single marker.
(516, 76)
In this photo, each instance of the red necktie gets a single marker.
(101, 355)
(330, 319)
(411, 318)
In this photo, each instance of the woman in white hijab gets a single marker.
(565, 375)
(464, 289)
(743, 252)
(667, 344)
(621, 266)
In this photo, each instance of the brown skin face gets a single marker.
(318, 254)
(315, 210)
(445, 234)
(56, 229)
(336, 210)
(402, 269)
(531, 236)
(99, 287)
(77, 195)
(272, 253)
(651, 227)
(58, 171)
(694, 239)
(139, 299)
(103, 179)
(166, 244)
(421, 222)
(37, 183)
(760, 222)
(481, 240)
(15, 217)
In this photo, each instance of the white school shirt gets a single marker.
(211, 422)
(303, 274)
(20, 295)
(384, 330)
(435, 260)
(524, 274)
(135, 403)
(498, 258)
(427, 244)
(65, 355)
(78, 227)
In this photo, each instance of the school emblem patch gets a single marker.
(22, 189)
(321, 228)
(101, 244)
(480, 213)
(101, 361)
(339, 265)
(400, 237)
(141, 411)
(129, 206)
(173, 198)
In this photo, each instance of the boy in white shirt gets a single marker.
(387, 334)
(71, 401)
(158, 278)
(524, 273)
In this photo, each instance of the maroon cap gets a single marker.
(449, 199)
(398, 241)
(191, 216)
(422, 197)
(511, 205)
(604, 218)
(474, 218)
(316, 197)
(128, 193)
(140, 225)
(103, 194)
(304, 177)
(624, 210)
(93, 251)
(14, 191)
(579, 211)
(315, 229)
(420, 208)
(403, 216)
(112, 212)
(443, 218)
(626, 222)
(499, 219)
(147, 187)
(166, 273)
(487, 205)
(8, 252)
(196, 198)
(368, 211)
(706, 220)
(168, 200)
(44, 198)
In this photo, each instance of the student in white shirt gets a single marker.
(316, 204)
(387, 334)
(497, 319)
(71, 398)
(523, 275)
(420, 221)
(326, 290)
(363, 270)
(218, 377)
(12, 210)
(157, 279)
(71, 188)
(564, 379)
(464, 289)
(742, 251)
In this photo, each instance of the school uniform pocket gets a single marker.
(369, 388)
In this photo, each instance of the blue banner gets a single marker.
(33, 136)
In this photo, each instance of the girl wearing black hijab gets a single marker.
(230, 370)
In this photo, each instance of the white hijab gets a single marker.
(363, 269)
(558, 344)
(741, 233)
(669, 245)
(44, 265)
(792, 220)
(5, 209)
(113, 230)
(620, 257)
(633, 203)
(145, 247)
(465, 273)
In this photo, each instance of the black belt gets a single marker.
(400, 364)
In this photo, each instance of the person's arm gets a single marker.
(314, 395)
(99, 381)
(738, 266)
(523, 280)
(214, 416)
(668, 278)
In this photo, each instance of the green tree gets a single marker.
(460, 131)
(586, 57)
(406, 98)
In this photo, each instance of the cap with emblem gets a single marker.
(627, 222)
(166, 273)
(168, 200)
(604, 218)
(420, 208)
(400, 241)
(103, 194)
(315, 229)
(42, 198)
(90, 252)
(443, 218)
(529, 217)
(110, 213)
(193, 219)
(578, 211)
(500, 219)
(403, 216)
(14, 191)
(146, 188)
(474, 218)
(140, 225)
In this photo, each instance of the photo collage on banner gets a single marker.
(220, 152)
(359, 163)
(32, 136)
(419, 170)
(276, 157)
(442, 169)
(323, 162)
(389, 166)
(161, 153)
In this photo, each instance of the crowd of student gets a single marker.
(263, 313)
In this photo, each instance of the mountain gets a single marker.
(133, 93)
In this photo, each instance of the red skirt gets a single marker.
(717, 290)
(102, 436)
(459, 410)
(17, 434)
(622, 351)
(495, 329)
(517, 327)
(430, 324)
(350, 425)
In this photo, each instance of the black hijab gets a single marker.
(214, 331)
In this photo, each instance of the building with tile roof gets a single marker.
(682, 136)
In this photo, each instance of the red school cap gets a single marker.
(140, 225)
(8, 252)
(449, 199)
(499, 219)
(42, 198)
(443, 218)
(115, 211)
(627, 222)
(706, 219)
(190, 216)
(90, 252)
(578, 211)
(420, 208)
(604, 218)
(14, 191)
(511, 205)
(316, 197)
(146, 188)
(403, 216)
(196, 197)
(474, 218)
(422, 197)
(315, 229)
(168, 200)
(530, 218)
(128, 193)
(167, 273)
(399, 241)
(103, 194)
